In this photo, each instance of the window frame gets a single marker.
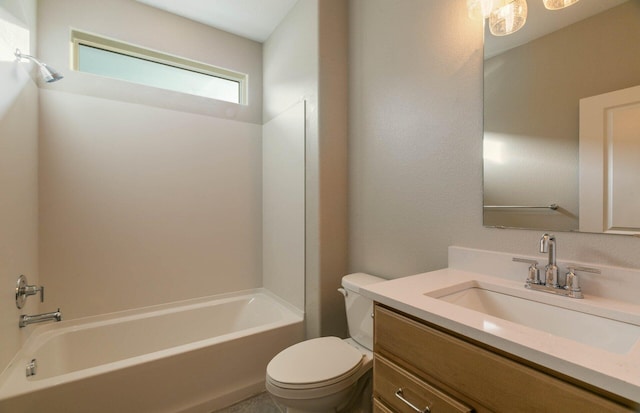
(111, 45)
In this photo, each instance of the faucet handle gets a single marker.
(573, 281)
(24, 290)
(534, 271)
(574, 268)
(33, 290)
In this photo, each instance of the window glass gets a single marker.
(134, 64)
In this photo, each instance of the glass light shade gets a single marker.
(558, 4)
(508, 18)
(479, 9)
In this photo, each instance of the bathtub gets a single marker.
(191, 356)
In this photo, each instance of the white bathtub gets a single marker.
(191, 356)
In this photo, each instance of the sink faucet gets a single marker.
(551, 284)
(25, 320)
(548, 244)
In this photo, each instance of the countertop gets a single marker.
(613, 372)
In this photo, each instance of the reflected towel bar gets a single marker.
(552, 206)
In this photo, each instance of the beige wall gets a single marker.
(416, 145)
(332, 169)
(146, 196)
(18, 173)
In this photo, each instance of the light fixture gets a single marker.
(479, 9)
(47, 73)
(558, 4)
(508, 17)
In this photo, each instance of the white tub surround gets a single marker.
(191, 356)
(609, 365)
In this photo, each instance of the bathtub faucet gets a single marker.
(25, 320)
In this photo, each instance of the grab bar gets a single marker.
(552, 206)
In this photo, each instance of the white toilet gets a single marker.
(329, 374)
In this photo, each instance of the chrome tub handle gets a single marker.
(400, 396)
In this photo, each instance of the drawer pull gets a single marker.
(400, 396)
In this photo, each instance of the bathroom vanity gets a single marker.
(448, 373)
(442, 345)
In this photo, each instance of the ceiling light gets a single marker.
(508, 18)
(558, 4)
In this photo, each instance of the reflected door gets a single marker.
(610, 162)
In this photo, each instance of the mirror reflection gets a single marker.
(534, 81)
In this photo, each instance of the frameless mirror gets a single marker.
(534, 81)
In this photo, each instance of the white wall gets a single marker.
(306, 58)
(146, 196)
(290, 63)
(142, 205)
(290, 58)
(416, 145)
(283, 150)
(18, 172)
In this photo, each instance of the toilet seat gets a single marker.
(293, 373)
(315, 363)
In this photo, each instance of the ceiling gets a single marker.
(253, 19)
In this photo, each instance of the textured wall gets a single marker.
(416, 145)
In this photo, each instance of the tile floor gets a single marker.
(261, 403)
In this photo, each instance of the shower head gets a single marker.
(47, 73)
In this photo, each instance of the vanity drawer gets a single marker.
(390, 379)
(477, 376)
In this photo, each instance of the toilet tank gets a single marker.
(359, 308)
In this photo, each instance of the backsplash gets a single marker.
(614, 282)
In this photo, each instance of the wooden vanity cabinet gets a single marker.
(449, 374)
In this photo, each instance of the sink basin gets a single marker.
(522, 307)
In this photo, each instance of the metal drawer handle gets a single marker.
(400, 396)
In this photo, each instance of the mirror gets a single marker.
(534, 80)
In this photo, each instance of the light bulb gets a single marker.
(558, 4)
(508, 18)
(479, 9)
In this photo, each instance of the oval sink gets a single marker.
(585, 326)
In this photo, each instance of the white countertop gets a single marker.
(616, 373)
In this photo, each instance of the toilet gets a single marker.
(329, 374)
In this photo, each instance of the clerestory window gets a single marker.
(114, 59)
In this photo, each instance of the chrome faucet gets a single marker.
(25, 320)
(548, 244)
(550, 284)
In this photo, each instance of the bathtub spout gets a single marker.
(25, 320)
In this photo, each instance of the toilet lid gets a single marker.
(322, 361)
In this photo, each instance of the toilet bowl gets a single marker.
(329, 374)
